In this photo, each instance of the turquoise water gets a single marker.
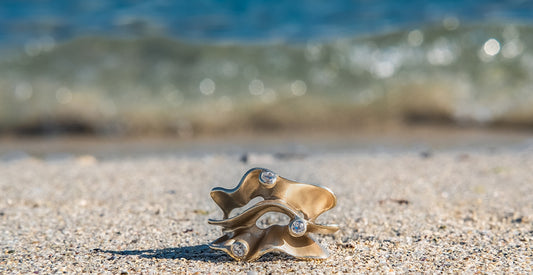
(466, 65)
(27, 22)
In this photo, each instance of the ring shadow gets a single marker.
(195, 253)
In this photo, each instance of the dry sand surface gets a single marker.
(464, 211)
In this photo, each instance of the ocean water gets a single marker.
(190, 67)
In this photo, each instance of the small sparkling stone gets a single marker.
(268, 177)
(298, 227)
(239, 249)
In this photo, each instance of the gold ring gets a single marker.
(303, 203)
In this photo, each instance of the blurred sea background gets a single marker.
(207, 67)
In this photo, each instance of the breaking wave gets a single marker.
(459, 75)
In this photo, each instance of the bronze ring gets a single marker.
(302, 203)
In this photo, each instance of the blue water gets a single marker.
(221, 66)
(239, 20)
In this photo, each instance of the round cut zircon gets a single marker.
(298, 227)
(268, 177)
(239, 249)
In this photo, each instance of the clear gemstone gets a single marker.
(298, 227)
(268, 177)
(238, 249)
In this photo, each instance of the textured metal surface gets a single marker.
(302, 203)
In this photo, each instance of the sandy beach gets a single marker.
(449, 210)
(117, 119)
